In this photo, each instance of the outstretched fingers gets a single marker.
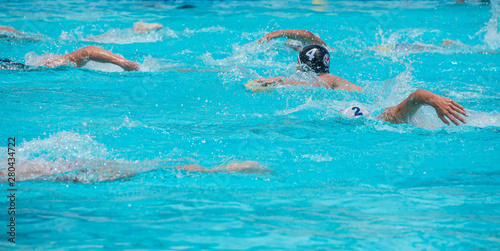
(261, 81)
(264, 39)
(130, 66)
(458, 116)
(451, 116)
(269, 36)
(443, 119)
(458, 105)
(458, 108)
(449, 110)
(452, 112)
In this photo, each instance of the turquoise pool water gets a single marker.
(328, 182)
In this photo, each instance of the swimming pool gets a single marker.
(328, 182)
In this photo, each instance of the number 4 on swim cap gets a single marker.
(354, 112)
(310, 54)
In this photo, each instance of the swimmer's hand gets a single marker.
(446, 108)
(449, 42)
(269, 36)
(269, 81)
(141, 27)
(128, 65)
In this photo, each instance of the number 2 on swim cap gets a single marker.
(357, 113)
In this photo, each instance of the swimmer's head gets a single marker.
(314, 58)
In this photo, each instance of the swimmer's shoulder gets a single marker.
(338, 83)
(330, 80)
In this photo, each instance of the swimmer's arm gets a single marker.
(338, 83)
(283, 81)
(9, 30)
(82, 56)
(245, 166)
(445, 108)
(304, 36)
(328, 82)
(194, 69)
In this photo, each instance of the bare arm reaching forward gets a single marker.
(9, 29)
(83, 56)
(445, 108)
(326, 80)
(304, 36)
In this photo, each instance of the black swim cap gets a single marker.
(316, 57)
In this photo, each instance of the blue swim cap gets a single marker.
(316, 57)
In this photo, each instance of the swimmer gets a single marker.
(7, 29)
(78, 58)
(316, 59)
(417, 46)
(109, 170)
(8, 33)
(301, 37)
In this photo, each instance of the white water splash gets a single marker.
(33, 59)
(150, 64)
(67, 156)
(213, 29)
(483, 119)
(92, 65)
(121, 36)
(492, 29)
